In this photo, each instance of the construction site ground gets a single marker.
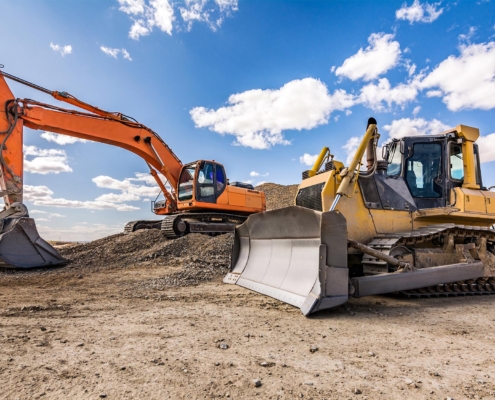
(140, 316)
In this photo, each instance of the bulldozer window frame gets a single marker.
(428, 156)
(455, 154)
(394, 159)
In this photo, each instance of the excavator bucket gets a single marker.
(22, 247)
(295, 255)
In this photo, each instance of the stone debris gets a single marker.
(278, 196)
(256, 382)
(357, 391)
(313, 349)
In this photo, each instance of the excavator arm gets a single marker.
(20, 243)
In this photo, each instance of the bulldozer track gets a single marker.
(479, 287)
(169, 223)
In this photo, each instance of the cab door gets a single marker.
(211, 182)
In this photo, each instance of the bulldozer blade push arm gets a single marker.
(294, 254)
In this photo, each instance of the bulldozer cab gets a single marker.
(429, 166)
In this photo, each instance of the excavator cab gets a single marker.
(202, 181)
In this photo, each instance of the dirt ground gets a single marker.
(116, 332)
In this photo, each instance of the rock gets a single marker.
(313, 349)
(264, 364)
(357, 391)
(80, 345)
(217, 364)
(309, 383)
(371, 354)
(256, 382)
(103, 395)
(223, 346)
(122, 368)
(43, 329)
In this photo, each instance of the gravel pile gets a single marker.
(278, 196)
(197, 257)
(200, 257)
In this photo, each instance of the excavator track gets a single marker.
(177, 225)
(141, 224)
(387, 243)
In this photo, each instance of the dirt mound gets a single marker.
(278, 196)
(199, 257)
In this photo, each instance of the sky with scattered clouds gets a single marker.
(259, 85)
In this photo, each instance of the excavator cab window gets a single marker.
(211, 182)
(186, 183)
(423, 170)
(206, 183)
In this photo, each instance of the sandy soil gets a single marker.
(111, 333)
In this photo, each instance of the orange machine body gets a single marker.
(118, 130)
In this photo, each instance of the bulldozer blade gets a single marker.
(295, 255)
(22, 247)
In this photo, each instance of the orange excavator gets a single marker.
(201, 198)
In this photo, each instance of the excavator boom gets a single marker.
(200, 199)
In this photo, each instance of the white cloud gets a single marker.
(465, 38)
(109, 51)
(200, 11)
(382, 54)
(350, 148)
(467, 81)
(434, 93)
(47, 214)
(414, 127)
(46, 161)
(261, 183)
(82, 232)
(308, 159)
(486, 146)
(258, 117)
(63, 50)
(416, 110)
(115, 52)
(129, 191)
(418, 12)
(126, 54)
(254, 173)
(154, 13)
(148, 14)
(375, 96)
(61, 139)
(42, 196)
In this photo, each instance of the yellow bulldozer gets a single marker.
(417, 223)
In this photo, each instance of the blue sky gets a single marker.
(260, 86)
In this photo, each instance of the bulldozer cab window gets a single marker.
(186, 183)
(423, 170)
(395, 157)
(456, 164)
